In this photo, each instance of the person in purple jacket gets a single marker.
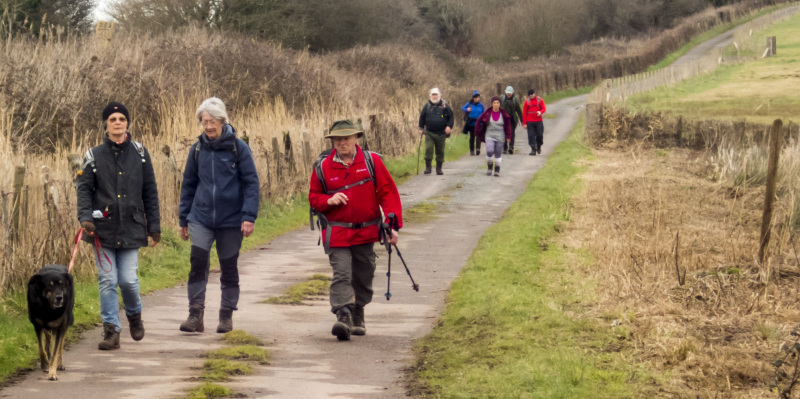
(494, 128)
(219, 202)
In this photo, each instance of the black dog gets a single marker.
(51, 297)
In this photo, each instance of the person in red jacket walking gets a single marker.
(349, 199)
(532, 113)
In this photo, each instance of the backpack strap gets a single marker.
(235, 152)
(88, 159)
(140, 149)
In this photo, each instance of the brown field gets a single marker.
(674, 241)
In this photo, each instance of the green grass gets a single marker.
(757, 91)
(296, 294)
(222, 369)
(708, 35)
(251, 353)
(560, 95)
(209, 391)
(513, 326)
(240, 337)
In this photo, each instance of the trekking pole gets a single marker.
(419, 147)
(384, 231)
(395, 225)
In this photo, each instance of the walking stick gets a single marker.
(387, 231)
(395, 226)
(419, 146)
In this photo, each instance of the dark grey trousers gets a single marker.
(353, 271)
(229, 241)
(535, 135)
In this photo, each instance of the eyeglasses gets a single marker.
(207, 122)
(114, 119)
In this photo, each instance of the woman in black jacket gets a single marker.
(118, 203)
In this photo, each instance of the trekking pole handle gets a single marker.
(393, 221)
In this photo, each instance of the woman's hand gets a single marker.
(247, 228)
(184, 231)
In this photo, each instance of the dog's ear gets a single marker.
(35, 284)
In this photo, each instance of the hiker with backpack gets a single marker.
(494, 128)
(117, 200)
(348, 189)
(435, 122)
(532, 113)
(511, 105)
(473, 110)
(219, 202)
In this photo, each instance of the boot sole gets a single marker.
(341, 331)
(358, 331)
(184, 329)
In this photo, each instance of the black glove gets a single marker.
(88, 226)
(155, 236)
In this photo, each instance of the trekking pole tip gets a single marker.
(388, 296)
(415, 287)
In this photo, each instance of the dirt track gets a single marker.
(308, 362)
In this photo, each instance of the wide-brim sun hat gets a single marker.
(343, 128)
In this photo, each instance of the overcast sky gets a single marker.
(98, 12)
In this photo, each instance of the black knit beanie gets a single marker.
(531, 91)
(113, 107)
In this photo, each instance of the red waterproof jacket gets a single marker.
(363, 200)
(530, 108)
(483, 123)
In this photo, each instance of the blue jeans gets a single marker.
(121, 272)
(229, 241)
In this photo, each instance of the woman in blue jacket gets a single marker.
(219, 202)
(474, 109)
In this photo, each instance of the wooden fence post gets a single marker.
(594, 121)
(308, 157)
(19, 181)
(276, 156)
(772, 173)
(679, 132)
(773, 45)
(288, 153)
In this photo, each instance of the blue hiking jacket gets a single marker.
(477, 110)
(217, 191)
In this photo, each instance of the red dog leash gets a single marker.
(97, 249)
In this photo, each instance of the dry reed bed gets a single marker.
(712, 325)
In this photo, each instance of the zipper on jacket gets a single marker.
(213, 192)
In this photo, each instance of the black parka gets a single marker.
(122, 187)
(435, 117)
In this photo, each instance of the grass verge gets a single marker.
(239, 337)
(223, 369)
(251, 353)
(296, 294)
(512, 327)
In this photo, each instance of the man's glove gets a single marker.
(88, 226)
(155, 236)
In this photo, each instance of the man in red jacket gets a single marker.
(532, 113)
(350, 197)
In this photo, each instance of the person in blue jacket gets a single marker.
(219, 202)
(474, 109)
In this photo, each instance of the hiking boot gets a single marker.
(471, 152)
(477, 151)
(427, 167)
(344, 322)
(439, 169)
(510, 151)
(225, 320)
(136, 326)
(533, 152)
(194, 323)
(110, 338)
(497, 170)
(489, 165)
(539, 150)
(358, 321)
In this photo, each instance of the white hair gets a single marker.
(214, 107)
